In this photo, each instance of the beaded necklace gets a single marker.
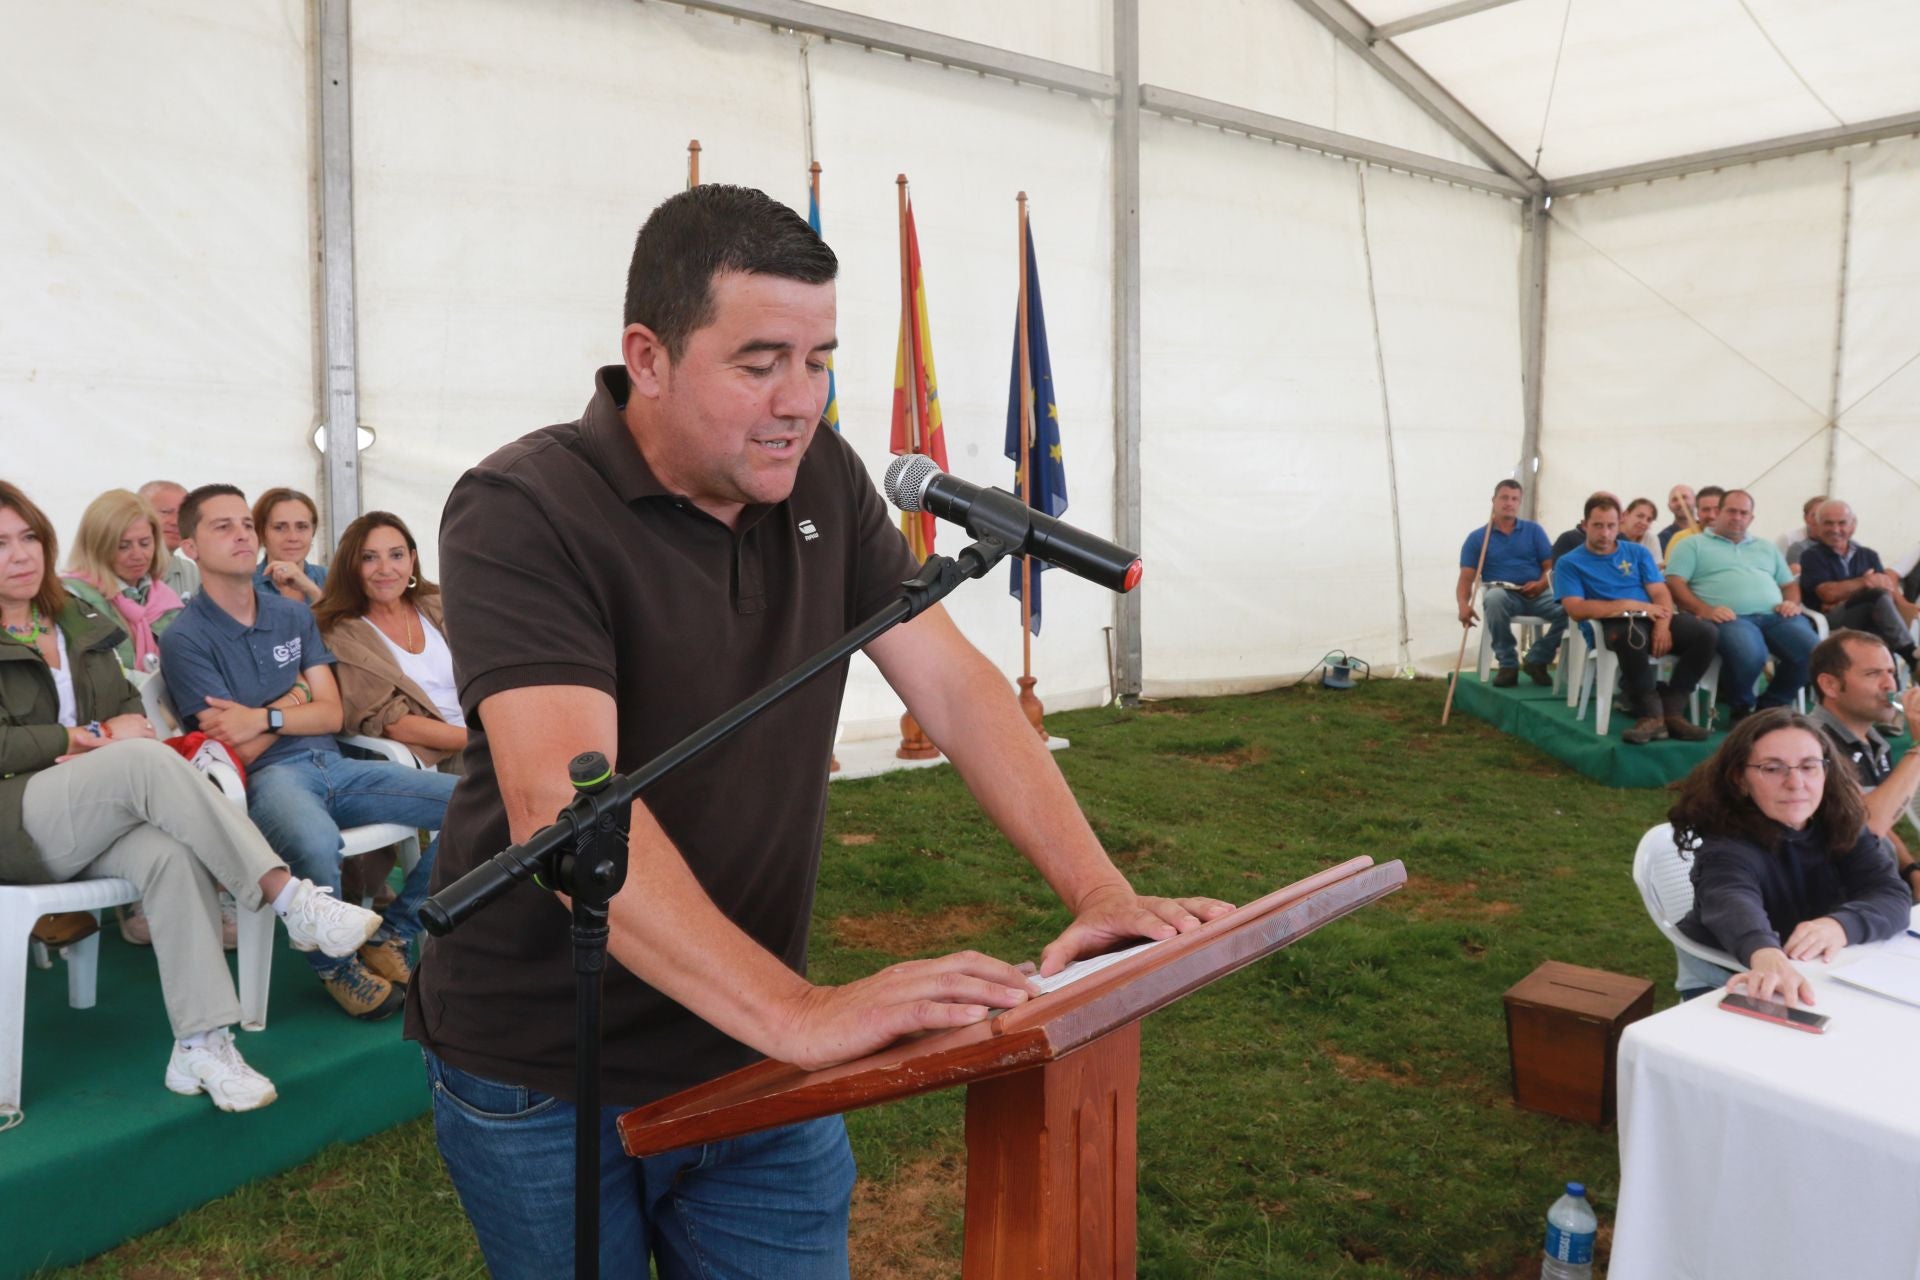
(29, 634)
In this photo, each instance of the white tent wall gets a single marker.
(155, 243)
(1265, 427)
(1693, 327)
(503, 164)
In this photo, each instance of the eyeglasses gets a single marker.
(1777, 770)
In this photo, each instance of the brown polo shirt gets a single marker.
(565, 562)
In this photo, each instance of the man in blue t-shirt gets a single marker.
(247, 667)
(1516, 574)
(1615, 588)
(1847, 583)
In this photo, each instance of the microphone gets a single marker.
(915, 482)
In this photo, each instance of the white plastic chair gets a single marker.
(1666, 887)
(1597, 675)
(380, 835)
(1526, 626)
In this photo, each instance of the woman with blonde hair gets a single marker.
(86, 792)
(119, 559)
(285, 520)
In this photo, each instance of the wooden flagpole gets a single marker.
(1029, 440)
(1466, 628)
(693, 164)
(914, 743)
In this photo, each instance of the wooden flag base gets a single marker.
(1029, 703)
(914, 743)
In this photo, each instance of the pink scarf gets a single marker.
(161, 600)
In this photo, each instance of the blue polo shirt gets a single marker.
(1623, 575)
(1820, 563)
(208, 653)
(1512, 557)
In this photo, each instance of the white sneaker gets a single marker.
(316, 920)
(216, 1069)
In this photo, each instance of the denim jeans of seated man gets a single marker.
(300, 803)
(1745, 643)
(764, 1205)
(1499, 607)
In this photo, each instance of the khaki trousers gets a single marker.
(138, 811)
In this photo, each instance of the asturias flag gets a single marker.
(913, 374)
(1040, 458)
(830, 417)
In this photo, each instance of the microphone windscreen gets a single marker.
(907, 480)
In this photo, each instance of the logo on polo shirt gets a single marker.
(1625, 565)
(288, 652)
(806, 527)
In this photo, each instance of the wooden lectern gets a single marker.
(1052, 1088)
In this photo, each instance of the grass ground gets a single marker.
(1340, 1110)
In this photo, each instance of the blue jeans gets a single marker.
(767, 1204)
(1501, 607)
(1744, 645)
(300, 804)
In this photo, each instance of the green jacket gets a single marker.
(88, 594)
(31, 736)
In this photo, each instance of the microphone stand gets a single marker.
(583, 853)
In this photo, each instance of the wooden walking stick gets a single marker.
(1466, 628)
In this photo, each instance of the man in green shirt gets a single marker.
(1744, 585)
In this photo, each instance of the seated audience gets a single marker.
(248, 668)
(119, 569)
(1784, 865)
(1517, 578)
(285, 520)
(384, 624)
(87, 793)
(1853, 677)
(1847, 583)
(1600, 584)
(1680, 502)
(1577, 536)
(1706, 508)
(1636, 525)
(1742, 583)
(1795, 541)
(164, 496)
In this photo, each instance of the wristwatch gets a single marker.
(275, 719)
(1907, 871)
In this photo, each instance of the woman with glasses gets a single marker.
(1784, 866)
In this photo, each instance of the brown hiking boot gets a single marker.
(388, 958)
(64, 928)
(1538, 673)
(1506, 677)
(1646, 729)
(1679, 728)
(366, 996)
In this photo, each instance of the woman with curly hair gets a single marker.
(1784, 867)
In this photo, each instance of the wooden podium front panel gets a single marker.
(1052, 1166)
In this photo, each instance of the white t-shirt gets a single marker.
(431, 669)
(63, 682)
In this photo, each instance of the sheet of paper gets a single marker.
(1904, 944)
(1091, 965)
(1884, 973)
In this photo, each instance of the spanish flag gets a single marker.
(830, 416)
(916, 394)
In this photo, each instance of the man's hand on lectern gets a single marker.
(828, 1025)
(1115, 913)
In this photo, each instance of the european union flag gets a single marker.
(1038, 457)
(830, 416)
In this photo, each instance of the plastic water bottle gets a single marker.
(1570, 1228)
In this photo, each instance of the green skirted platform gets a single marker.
(107, 1153)
(1543, 718)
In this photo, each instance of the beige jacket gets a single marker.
(373, 690)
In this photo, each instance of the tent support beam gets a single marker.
(1839, 332)
(1354, 31)
(1434, 17)
(1746, 153)
(1533, 341)
(1126, 334)
(913, 42)
(1185, 106)
(340, 388)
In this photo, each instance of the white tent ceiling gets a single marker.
(1578, 86)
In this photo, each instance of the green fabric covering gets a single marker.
(106, 1152)
(1543, 718)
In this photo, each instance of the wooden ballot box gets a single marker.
(1563, 1032)
(1052, 1088)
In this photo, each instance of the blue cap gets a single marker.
(1577, 1189)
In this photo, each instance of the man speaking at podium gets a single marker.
(611, 584)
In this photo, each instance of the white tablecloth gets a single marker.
(1749, 1151)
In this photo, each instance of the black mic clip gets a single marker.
(939, 574)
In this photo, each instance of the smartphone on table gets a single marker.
(1773, 1011)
